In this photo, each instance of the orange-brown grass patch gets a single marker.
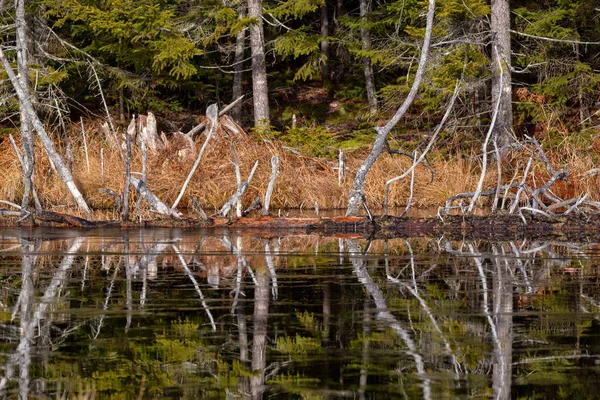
(301, 181)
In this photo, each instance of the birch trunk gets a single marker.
(240, 42)
(27, 149)
(31, 115)
(501, 67)
(356, 195)
(259, 68)
(365, 37)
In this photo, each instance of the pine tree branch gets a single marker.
(549, 39)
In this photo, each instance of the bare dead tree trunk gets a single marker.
(130, 132)
(501, 63)
(357, 192)
(27, 148)
(31, 115)
(274, 168)
(260, 90)
(325, 43)
(240, 42)
(365, 38)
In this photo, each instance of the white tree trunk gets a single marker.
(501, 66)
(54, 157)
(27, 148)
(260, 90)
(356, 195)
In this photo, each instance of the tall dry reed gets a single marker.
(301, 182)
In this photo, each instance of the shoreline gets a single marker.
(490, 227)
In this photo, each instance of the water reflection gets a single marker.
(191, 314)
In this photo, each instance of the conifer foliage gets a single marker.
(312, 69)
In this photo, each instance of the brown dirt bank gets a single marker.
(501, 227)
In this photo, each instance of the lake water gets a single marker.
(227, 315)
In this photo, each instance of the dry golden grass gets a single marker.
(301, 181)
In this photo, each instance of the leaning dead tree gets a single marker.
(355, 199)
(27, 148)
(33, 119)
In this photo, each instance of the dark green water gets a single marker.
(190, 314)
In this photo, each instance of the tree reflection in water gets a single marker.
(181, 314)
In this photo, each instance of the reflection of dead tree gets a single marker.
(259, 338)
(271, 266)
(237, 251)
(499, 319)
(145, 261)
(503, 309)
(358, 263)
(196, 286)
(128, 289)
(30, 322)
(364, 371)
(414, 290)
(106, 300)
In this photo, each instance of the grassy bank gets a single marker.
(301, 182)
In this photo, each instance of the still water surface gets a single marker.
(225, 315)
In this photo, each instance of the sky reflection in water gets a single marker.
(189, 314)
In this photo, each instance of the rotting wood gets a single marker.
(196, 205)
(225, 110)
(572, 227)
(150, 198)
(255, 205)
(238, 194)
(148, 132)
(274, 170)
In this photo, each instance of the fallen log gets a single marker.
(498, 227)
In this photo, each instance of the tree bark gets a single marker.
(356, 195)
(325, 43)
(260, 90)
(240, 42)
(31, 115)
(128, 134)
(27, 149)
(502, 88)
(365, 38)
